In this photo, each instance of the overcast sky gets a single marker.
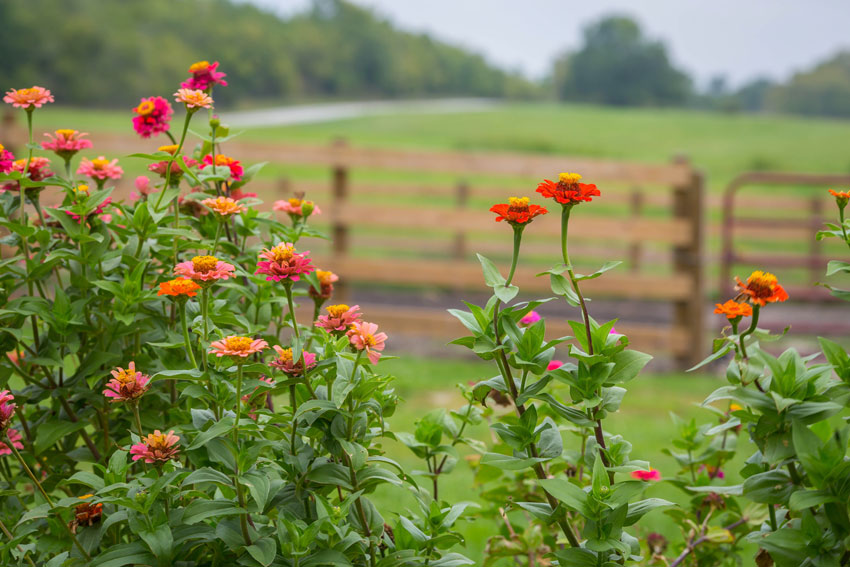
(736, 38)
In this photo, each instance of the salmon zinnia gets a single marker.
(517, 211)
(235, 345)
(568, 190)
(761, 288)
(28, 99)
(732, 309)
(283, 262)
(193, 99)
(287, 365)
(326, 283)
(364, 337)
(205, 269)
(297, 208)
(339, 318)
(156, 448)
(224, 206)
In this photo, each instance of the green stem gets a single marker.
(749, 331)
(243, 518)
(843, 230)
(217, 236)
(288, 288)
(186, 341)
(138, 419)
(167, 184)
(9, 535)
(294, 403)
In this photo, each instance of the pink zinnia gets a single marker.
(6, 160)
(126, 385)
(7, 409)
(14, 438)
(204, 76)
(530, 318)
(143, 186)
(297, 208)
(152, 116)
(285, 364)
(156, 448)
(38, 168)
(651, 474)
(66, 143)
(283, 262)
(221, 161)
(100, 208)
(555, 364)
(193, 99)
(33, 97)
(161, 167)
(100, 169)
(235, 345)
(339, 318)
(205, 269)
(363, 336)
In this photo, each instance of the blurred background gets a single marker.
(712, 129)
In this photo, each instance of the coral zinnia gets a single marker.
(225, 206)
(179, 287)
(761, 288)
(651, 474)
(297, 208)
(234, 165)
(841, 197)
(326, 283)
(14, 438)
(28, 99)
(283, 262)
(364, 336)
(153, 116)
(517, 211)
(235, 345)
(66, 143)
(100, 169)
(156, 448)
(7, 409)
(568, 190)
(205, 269)
(732, 309)
(339, 318)
(127, 385)
(204, 76)
(285, 364)
(193, 99)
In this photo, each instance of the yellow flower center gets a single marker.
(295, 202)
(125, 377)
(145, 108)
(369, 340)
(82, 188)
(569, 178)
(99, 163)
(221, 159)
(762, 281)
(26, 92)
(157, 441)
(2, 147)
(336, 311)
(199, 67)
(204, 264)
(66, 133)
(283, 252)
(285, 355)
(323, 276)
(735, 407)
(171, 149)
(238, 344)
(518, 201)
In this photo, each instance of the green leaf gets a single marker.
(199, 510)
(492, 277)
(263, 550)
(509, 463)
(638, 509)
(159, 541)
(771, 487)
(802, 499)
(52, 431)
(124, 554)
(207, 474)
(505, 293)
(217, 430)
(835, 266)
(605, 267)
(567, 493)
(627, 365)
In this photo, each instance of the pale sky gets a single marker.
(737, 38)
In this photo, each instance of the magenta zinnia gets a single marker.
(65, 143)
(7, 409)
(14, 438)
(156, 448)
(152, 116)
(205, 269)
(126, 385)
(364, 336)
(235, 345)
(283, 262)
(204, 76)
(6, 160)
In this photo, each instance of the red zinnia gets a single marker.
(761, 288)
(517, 211)
(568, 190)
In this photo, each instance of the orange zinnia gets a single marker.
(517, 211)
(178, 287)
(732, 309)
(568, 190)
(761, 288)
(841, 197)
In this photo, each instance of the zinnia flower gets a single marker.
(37, 170)
(568, 190)
(28, 99)
(235, 345)
(86, 514)
(179, 287)
(732, 309)
(100, 208)
(205, 269)
(651, 474)
(193, 99)
(234, 165)
(126, 385)
(7, 409)
(284, 361)
(297, 208)
(156, 448)
(326, 283)
(6, 160)
(14, 438)
(554, 364)
(238, 194)
(152, 116)
(517, 211)
(363, 336)
(339, 318)
(204, 76)
(225, 206)
(143, 186)
(100, 169)
(161, 167)
(66, 143)
(841, 197)
(283, 262)
(761, 288)
(530, 318)
(266, 398)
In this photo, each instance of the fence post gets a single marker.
(339, 227)
(635, 248)
(283, 188)
(688, 261)
(461, 199)
(816, 263)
